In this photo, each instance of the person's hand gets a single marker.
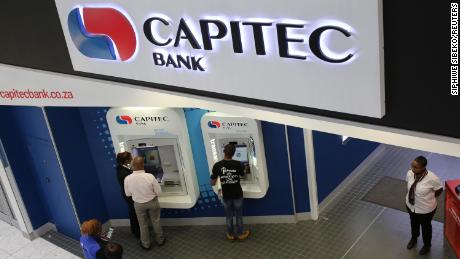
(104, 238)
(246, 169)
(219, 194)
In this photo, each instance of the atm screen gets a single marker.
(241, 153)
(152, 162)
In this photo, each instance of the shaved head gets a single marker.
(138, 163)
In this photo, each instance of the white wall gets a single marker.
(93, 92)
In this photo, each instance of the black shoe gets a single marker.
(425, 250)
(145, 248)
(411, 243)
(162, 243)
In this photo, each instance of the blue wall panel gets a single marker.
(43, 171)
(299, 169)
(334, 161)
(193, 117)
(32, 126)
(104, 157)
(22, 168)
(278, 200)
(78, 163)
(56, 197)
(31, 122)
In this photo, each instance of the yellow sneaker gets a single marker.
(245, 235)
(231, 237)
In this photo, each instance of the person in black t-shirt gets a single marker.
(229, 172)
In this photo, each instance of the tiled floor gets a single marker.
(348, 227)
(14, 246)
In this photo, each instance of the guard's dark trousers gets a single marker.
(424, 220)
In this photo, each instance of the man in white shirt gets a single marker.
(423, 186)
(144, 189)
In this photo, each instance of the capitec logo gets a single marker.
(230, 125)
(106, 33)
(124, 119)
(102, 33)
(226, 125)
(140, 120)
(214, 124)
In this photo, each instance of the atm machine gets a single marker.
(160, 136)
(246, 134)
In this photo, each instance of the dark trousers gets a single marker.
(134, 223)
(424, 220)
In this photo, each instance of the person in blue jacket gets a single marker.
(90, 239)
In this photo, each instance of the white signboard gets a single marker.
(324, 54)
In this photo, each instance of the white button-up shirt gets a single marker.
(425, 200)
(141, 186)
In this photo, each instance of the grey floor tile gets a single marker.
(388, 236)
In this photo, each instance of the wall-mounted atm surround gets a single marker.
(222, 129)
(161, 137)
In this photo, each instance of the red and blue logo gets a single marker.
(214, 124)
(102, 33)
(124, 119)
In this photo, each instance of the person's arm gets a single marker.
(241, 170)
(156, 186)
(120, 177)
(122, 173)
(214, 175)
(126, 185)
(437, 187)
(408, 175)
(438, 192)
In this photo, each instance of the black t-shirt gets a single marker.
(229, 172)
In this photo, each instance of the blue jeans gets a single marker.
(232, 208)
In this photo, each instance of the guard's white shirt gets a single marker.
(141, 186)
(425, 200)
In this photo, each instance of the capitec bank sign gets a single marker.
(106, 33)
(324, 54)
